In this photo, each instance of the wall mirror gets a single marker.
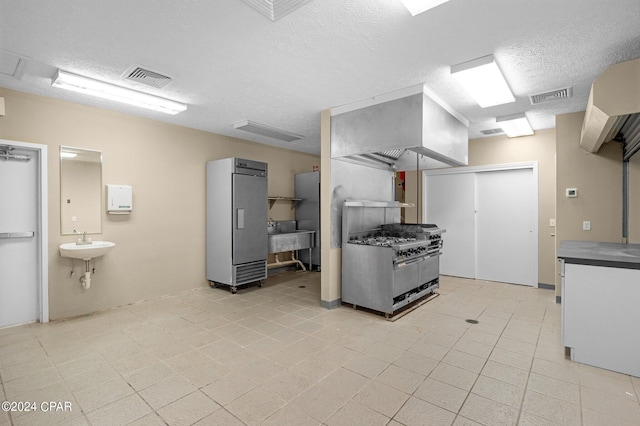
(80, 191)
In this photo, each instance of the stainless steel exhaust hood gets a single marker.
(613, 109)
(408, 130)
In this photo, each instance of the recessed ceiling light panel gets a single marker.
(515, 125)
(416, 7)
(483, 80)
(264, 130)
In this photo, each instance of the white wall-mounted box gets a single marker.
(119, 199)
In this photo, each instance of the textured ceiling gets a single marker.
(230, 63)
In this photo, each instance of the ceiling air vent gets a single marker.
(393, 154)
(492, 131)
(146, 77)
(553, 95)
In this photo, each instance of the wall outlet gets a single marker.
(552, 222)
(586, 225)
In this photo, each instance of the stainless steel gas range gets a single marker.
(387, 265)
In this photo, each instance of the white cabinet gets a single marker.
(601, 316)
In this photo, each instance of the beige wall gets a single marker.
(161, 244)
(598, 178)
(413, 194)
(539, 147)
(331, 258)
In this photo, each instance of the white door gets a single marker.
(450, 204)
(19, 239)
(490, 214)
(506, 235)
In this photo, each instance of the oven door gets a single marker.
(406, 276)
(429, 269)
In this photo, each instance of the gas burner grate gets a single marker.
(382, 241)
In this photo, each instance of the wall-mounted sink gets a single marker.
(85, 251)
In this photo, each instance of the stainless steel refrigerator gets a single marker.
(236, 222)
(307, 189)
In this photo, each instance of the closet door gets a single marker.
(506, 227)
(491, 216)
(449, 200)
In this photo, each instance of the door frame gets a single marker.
(533, 165)
(43, 224)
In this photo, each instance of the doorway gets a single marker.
(491, 217)
(23, 233)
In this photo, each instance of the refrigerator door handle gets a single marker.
(240, 219)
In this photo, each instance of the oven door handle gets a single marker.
(422, 258)
(410, 262)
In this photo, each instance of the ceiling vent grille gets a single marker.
(146, 77)
(553, 95)
(492, 131)
(393, 154)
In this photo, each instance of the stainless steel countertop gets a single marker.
(614, 255)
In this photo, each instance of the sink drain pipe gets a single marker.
(86, 278)
(293, 261)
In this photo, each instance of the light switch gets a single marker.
(73, 218)
(552, 222)
(586, 225)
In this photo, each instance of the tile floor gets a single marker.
(272, 356)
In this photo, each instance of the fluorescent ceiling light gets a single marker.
(418, 6)
(483, 80)
(515, 125)
(264, 130)
(89, 86)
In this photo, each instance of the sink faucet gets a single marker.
(84, 239)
